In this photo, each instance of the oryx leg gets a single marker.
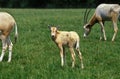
(61, 54)
(102, 31)
(73, 56)
(4, 47)
(115, 29)
(80, 56)
(9, 43)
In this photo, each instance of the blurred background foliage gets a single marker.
(53, 3)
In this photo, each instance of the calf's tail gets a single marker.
(16, 33)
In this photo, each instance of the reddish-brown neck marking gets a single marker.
(92, 21)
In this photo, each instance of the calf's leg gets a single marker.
(73, 56)
(61, 54)
(80, 56)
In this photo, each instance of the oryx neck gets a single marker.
(92, 21)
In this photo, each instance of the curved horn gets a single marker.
(87, 15)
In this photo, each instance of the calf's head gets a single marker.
(53, 30)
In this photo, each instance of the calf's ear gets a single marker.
(58, 27)
(49, 26)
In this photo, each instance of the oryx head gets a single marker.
(86, 27)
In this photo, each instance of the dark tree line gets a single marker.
(53, 3)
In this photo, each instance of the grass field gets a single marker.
(35, 56)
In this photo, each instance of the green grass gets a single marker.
(35, 56)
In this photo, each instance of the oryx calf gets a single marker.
(63, 38)
(7, 23)
(103, 12)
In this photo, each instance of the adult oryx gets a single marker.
(7, 23)
(104, 12)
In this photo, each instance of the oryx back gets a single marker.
(104, 10)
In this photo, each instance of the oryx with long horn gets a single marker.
(104, 12)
